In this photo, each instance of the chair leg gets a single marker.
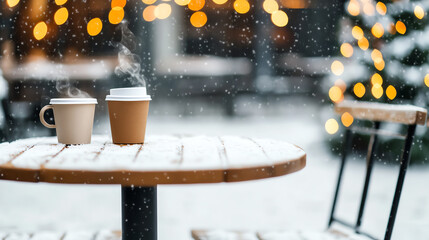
(402, 171)
(346, 147)
(370, 163)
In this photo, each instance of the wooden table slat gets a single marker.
(47, 235)
(161, 160)
(17, 236)
(79, 235)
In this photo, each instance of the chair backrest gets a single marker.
(408, 115)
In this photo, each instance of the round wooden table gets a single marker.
(140, 168)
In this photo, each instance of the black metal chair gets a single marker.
(407, 115)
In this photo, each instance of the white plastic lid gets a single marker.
(128, 94)
(73, 101)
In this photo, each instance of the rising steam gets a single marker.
(66, 89)
(129, 63)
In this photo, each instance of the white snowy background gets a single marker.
(300, 201)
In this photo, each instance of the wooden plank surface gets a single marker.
(52, 235)
(161, 160)
(405, 114)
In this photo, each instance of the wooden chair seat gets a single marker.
(382, 112)
(51, 235)
(274, 235)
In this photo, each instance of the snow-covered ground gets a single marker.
(298, 201)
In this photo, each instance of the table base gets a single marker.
(139, 213)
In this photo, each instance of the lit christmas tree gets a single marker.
(384, 48)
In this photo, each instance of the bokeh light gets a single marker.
(377, 91)
(368, 9)
(376, 79)
(279, 18)
(336, 94)
(347, 119)
(60, 2)
(357, 32)
(419, 12)
(341, 84)
(381, 8)
(331, 126)
(426, 80)
(353, 7)
(363, 43)
(400, 27)
(116, 15)
(337, 68)
(12, 3)
(149, 13)
(376, 56)
(377, 30)
(346, 50)
(40, 30)
(220, 2)
(270, 6)
(196, 5)
(198, 19)
(162, 11)
(359, 90)
(61, 16)
(242, 6)
(94, 26)
(118, 3)
(391, 92)
(379, 65)
(182, 2)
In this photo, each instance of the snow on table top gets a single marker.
(158, 153)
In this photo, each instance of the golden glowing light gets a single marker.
(94, 26)
(60, 2)
(379, 65)
(61, 16)
(220, 1)
(341, 84)
(353, 7)
(242, 6)
(376, 79)
(347, 119)
(427, 80)
(198, 19)
(336, 94)
(368, 9)
(196, 5)
(12, 3)
(270, 6)
(359, 90)
(391, 92)
(183, 2)
(346, 50)
(279, 18)
(149, 13)
(118, 3)
(296, 4)
(40, 30)
(419, 12)
(337, 68)
(363, 43)
(377, 91)
(357, 32)
(116, 15)
(162, 11)
(331, 126)
(400, 27)
(376, 56)
(377, 30)
(381, 8)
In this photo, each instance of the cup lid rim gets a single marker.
(73, 101)
(128, 98)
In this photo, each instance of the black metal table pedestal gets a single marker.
(139, 217)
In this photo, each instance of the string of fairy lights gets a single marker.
(336, 92)
(163, 10)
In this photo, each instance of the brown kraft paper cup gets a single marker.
(128, 121)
